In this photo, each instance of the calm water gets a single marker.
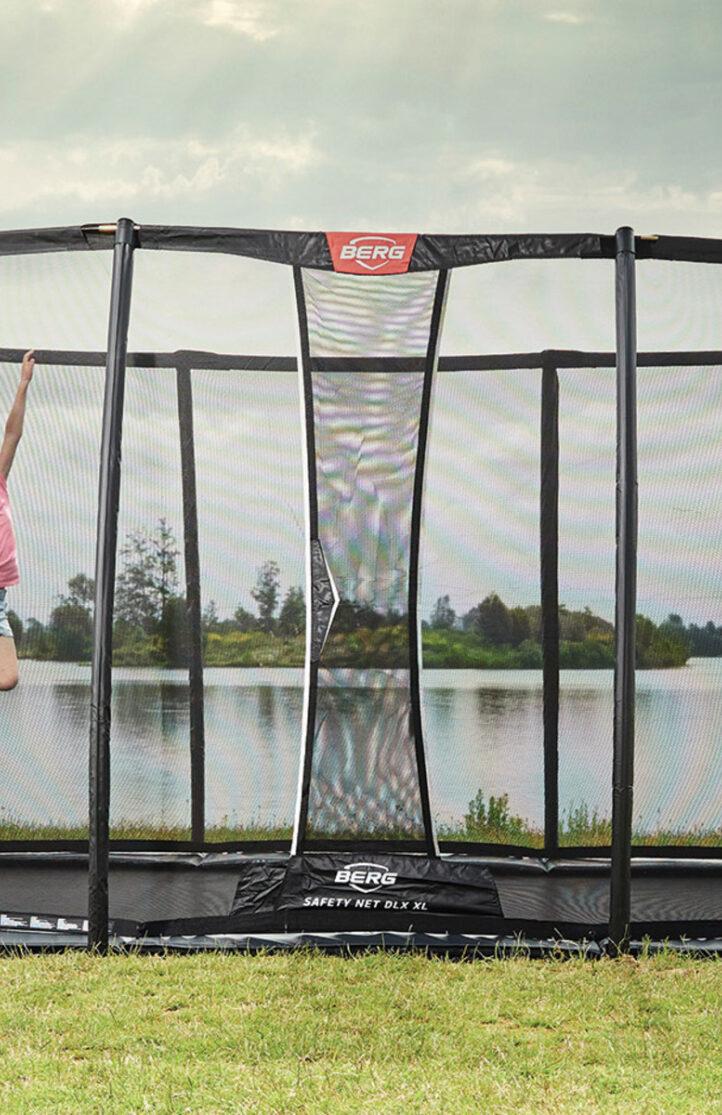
(483, 730)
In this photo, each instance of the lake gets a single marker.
(483, 731)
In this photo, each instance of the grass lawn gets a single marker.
(488, 822)
(381, 1033)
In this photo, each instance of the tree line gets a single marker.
(703, 642)
(586, 640)
(151, 625)
(150, 612)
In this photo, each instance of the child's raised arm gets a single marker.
(16, 417)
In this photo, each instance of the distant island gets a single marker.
(151, 627)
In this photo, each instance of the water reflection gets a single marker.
(483, 731)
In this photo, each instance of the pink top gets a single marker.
(9, 574)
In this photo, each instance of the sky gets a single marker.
(434, 115)
(403, 115)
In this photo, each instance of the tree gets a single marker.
(173, 632)
(243, 620)
(81, 591)
(210, 619)
(136, 604)
(470, 620)
(350, 616)
(345, 619)
(443, 616)
(71, 621)
(675, 634)
(149, 578)
(265, 594)
(493, 621)
(705, 642)
(367, 616)
(292, 618)
(659, 647)
(37, 640)
(572, 625)
(164, 553)
(520, 626)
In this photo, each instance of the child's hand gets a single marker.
(26, 372)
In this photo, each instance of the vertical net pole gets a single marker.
(626, 590)
(105, 553)
(415, 649)
(549, 569)
(193, 602)
(310, 662)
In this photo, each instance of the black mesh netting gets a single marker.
(587, 450)
(482, 677)
(678, 757)
(364, 776)
(479, 603)
(251, 539)
(246, 475)
(53, 492)
(57, 302)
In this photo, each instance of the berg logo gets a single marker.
(365, 877)
(361, 253)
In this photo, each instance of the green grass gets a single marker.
(488, 821)
(11, 829)
(491, 821)
(384, 647)
(312, 1035)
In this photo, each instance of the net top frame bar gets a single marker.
(432, 252)
(198, 360)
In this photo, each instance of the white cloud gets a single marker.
(122, 170)
(243, 17)
(573, 19)
(127, 11)
(258, 20)
(496, 193)
(492, 167)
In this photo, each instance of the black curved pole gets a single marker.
(415, 654)
(106, 540)
(626, 592)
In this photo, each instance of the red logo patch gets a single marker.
(371, 253)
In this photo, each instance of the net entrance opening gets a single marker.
(368, 346)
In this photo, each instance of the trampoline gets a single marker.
(371, 585)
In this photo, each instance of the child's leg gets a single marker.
(8, 654)
(8, 663)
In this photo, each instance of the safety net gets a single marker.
(678, 758)
(59, 305)
(210, 606)
(362, 776)
(517, 561)
(365, 578)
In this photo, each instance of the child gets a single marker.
(8, 556)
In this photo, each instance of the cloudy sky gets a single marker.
(441, 115)
(421, 115)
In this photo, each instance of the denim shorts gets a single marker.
(5, 628)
